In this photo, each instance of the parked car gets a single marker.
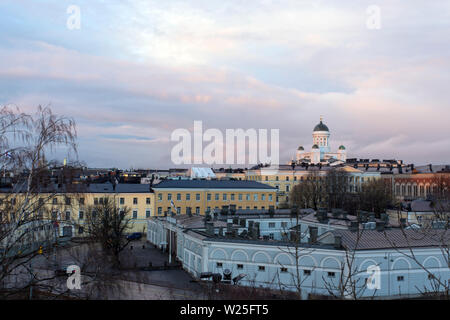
(134, 236)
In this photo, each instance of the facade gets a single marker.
(285, 177)
(318, 268)
(200, 196)
(320, 150)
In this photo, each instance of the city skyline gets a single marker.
(137, 70)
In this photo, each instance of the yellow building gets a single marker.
(284, 178)
(199, 196)
(68, 204)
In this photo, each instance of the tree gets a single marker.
(108, 224)
(309, 193)
(337, 188)
(375, 196)
(25, 141)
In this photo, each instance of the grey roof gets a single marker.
(392, 238)
(84, 188)
(212, 184)
(321, 127)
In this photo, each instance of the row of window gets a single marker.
(197, 209)
(217, 197)
(306, 272)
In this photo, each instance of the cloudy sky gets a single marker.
(137, 70)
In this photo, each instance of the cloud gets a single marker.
(137, 70)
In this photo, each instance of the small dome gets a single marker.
(300, 148)
(321, 127)
(341, 148)
(315, 146)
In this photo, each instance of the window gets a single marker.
(219, 264)
(255, 197)
(282, 269)
(400, 278)
(331, 274)
(307, 272)
(55, 201)
(197, 210)
(240, 197)
(216, 197)
(240, 266)
(68, 201)
(271, 224)
(81, 215)
(271, 236)
(188, 196)
(159, 196)
(122, 201)
(224, 196)
(247, 197)
(270, 197)
(67, 215)
(147, 200)
(287, 178)
(95, 201)
(284, 225)
(178, 196)
(276, 178)
(267, 178)
(287, 188)
(169, 196)
(232, 197)
(261, 268)
(197, 196)
(208, 197)
(135, 214)
(159, 211)
(178, 210)
(263, 197)
(147, 213)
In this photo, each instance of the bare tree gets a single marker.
(108, 224)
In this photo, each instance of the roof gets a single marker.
(392, 238)
(84, 188)
(212, 184)
(321, 127)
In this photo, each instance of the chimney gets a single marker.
(313, 234)
(338, 241)
(431, 167)
(403, 222)
(354, 226)
(210, 228)
(380, 226)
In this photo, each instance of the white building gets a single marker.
(320, 150)
(323, 265)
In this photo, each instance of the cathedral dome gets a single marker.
(315, 146)
(321, 127)
(300, 148)
(341, 148)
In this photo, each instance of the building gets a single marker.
(318, 267)
(320, 150)
(200, 196)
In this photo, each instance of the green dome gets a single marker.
(321, 127)
(300, 148)
(315, 146)
(341, 148)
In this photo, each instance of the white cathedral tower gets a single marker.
(320, 151)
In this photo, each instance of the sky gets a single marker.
(134, 71)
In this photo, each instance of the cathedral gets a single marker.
(320, 151)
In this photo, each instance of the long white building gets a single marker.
(319, 266)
